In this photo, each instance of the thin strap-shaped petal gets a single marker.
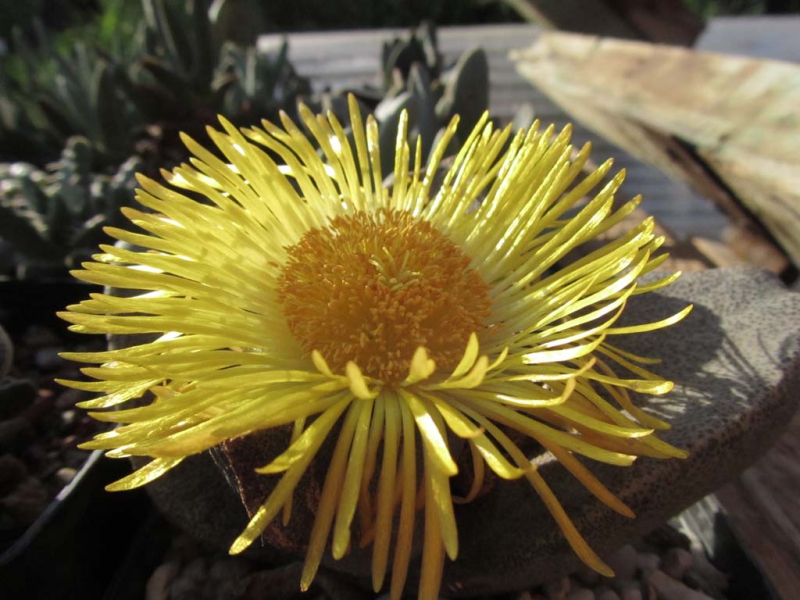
(405, 529)
(431, 436)
(452, 411)
(331, 491)
(385, 496)
(285, 487)
(433, 545)
(306, 441)
(538, 431)
(576, 541)
(352, 479)
(151, 471)
(641, 328)
(297, 431)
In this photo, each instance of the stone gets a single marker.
(557, 589)
(627, 588)
(581, 594)
(633, 592)
(606, 593)
(736, 364)
(676, 562)
(65, 475)
(623, 562)
(159, 583)
(587, 576)
(668, 588)
(647, 561)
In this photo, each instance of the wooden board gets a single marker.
(764, 508)
(728, 125)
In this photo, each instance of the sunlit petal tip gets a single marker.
(320, 364)
(469, 357)
(421, 367)
(239, 545)
(357, 382)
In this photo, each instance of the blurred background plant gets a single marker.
(414, 78)
(53, 219)
(91, 89)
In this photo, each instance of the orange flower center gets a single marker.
(373, 287)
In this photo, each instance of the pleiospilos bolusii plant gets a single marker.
(300, 292)
(54, 218)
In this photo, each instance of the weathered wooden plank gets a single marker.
(764, 507)
(723, 123)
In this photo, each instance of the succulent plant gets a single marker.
(81, 92)
(413, 79)
(188, 74)
(55, 218)
(265, 82)
(176, 77)
(181, 75)
(20, 138)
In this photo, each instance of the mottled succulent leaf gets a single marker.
(25, 230)
(467, 88)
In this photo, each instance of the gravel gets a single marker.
(661, 566)
(40, 427)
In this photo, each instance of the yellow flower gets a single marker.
(289, 289)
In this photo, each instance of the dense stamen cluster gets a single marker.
(373, 287)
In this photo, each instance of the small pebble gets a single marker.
(647, 561)
(68, 418)
(581, 594)
(196, 569)
(587, 576)
(624, 562)
(676, 562)
(668, 588)
(632, 594)
(627, 589)
(185, 588)
(605, 593)
(65, 475)
(557, 589)
(159, 583)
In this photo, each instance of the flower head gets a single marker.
(288, 286)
